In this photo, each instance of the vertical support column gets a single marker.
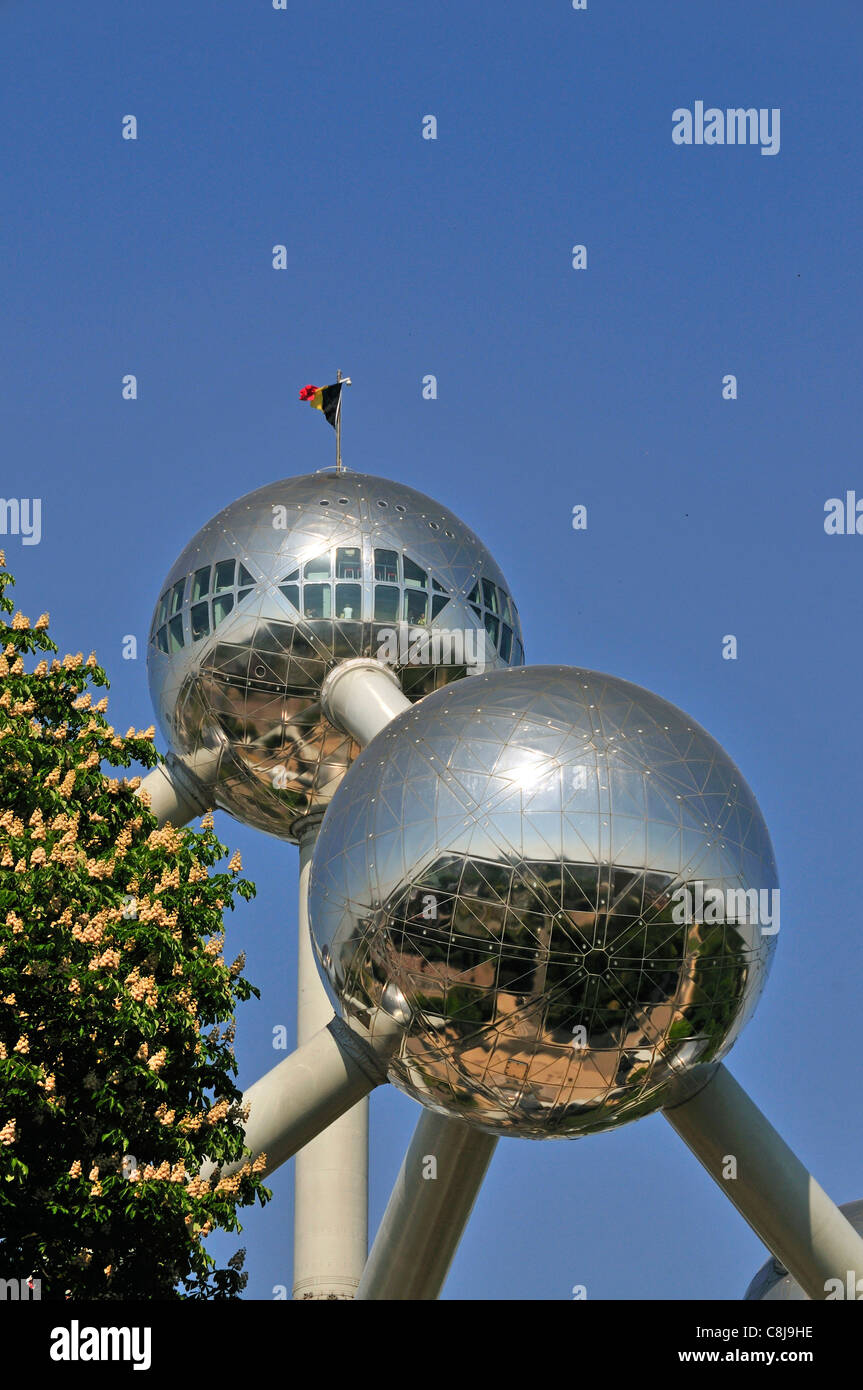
(331, 1173)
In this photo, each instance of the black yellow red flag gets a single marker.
(325, 398)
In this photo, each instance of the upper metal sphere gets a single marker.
(773, 1283)
(280, 587)
(506, 858)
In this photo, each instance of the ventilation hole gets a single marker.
(400, 508)
(260, 671)
(382, 504)
(325, 502)
(343, 501)
(434, 525)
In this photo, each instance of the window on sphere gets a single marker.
(416, 605)
(415, 578)
(317, 601)
(387, 566)
(349, 602)
(200, 621)
(201, 584)
(318, 568)
(349, 562)
(222, 607)
(224, 576)
(386, 603)
(175, 634)
(489, 596)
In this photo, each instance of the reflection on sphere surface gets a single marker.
(507, 856)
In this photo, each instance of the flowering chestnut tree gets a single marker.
(116, 1004)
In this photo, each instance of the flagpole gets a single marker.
(321, 397)
(339, 427)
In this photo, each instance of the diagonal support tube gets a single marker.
(179, 791)
(426, 1216)
(294, 1102)
(360, 697)
(768, 1184)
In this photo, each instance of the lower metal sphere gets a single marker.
(507, 859)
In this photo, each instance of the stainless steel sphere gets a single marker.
(507, 860)
(281, 586)
(773, 1283)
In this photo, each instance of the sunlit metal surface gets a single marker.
(505, 856)
(773, 1283)
(280, 587)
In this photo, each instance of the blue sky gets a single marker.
(556, 387)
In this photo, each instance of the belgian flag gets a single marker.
(325, 398)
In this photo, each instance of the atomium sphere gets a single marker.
(283, 585)
(773, 1283)
(566, 884)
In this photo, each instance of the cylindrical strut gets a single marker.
(428, 1210)
(331, 1173)
(768, 1184)
(295, 1101)
(361, 697)
(178, 791)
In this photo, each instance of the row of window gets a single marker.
(401, 590)
(493, 599)
(402, 593)
(215, 589)
(496, 609)
(413, 601)
(344, 601)
(390, 567)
